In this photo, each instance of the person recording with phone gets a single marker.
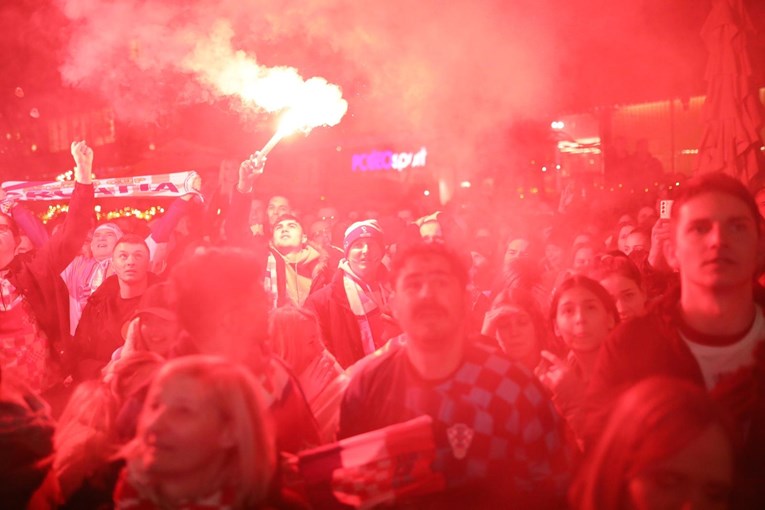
(711, 330)
(655, 272)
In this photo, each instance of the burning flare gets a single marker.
(306, 103)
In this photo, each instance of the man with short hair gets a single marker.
(353, 307)
(99, 332)
(239, 228)
(498, 437)
(294, 268)
(86, 273)
(277, 207)
(712, 331)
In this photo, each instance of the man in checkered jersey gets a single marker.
(499, 439)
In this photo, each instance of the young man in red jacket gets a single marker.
(711, 330)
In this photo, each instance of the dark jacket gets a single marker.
(339, 327)
(36, 274)
(651, 345)
(99, 332)
(26, 443)
(238, 231)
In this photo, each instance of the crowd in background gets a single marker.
(564, 353)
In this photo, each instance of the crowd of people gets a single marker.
(461, 358)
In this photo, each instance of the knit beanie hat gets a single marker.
(367, 229)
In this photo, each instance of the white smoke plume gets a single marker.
(461, 69)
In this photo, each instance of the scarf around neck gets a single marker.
(362, 302)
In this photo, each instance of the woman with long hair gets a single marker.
(582, 314)
(203, 439)
(667, 445)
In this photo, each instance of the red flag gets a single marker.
(383, 466)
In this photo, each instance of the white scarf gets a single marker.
(100, 274)
(269, 284)
(362, 302)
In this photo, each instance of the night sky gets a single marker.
(461, 70)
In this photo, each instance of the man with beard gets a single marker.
(498, 437)
(353, 308)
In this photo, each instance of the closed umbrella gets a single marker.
(732, 111)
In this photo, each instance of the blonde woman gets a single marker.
(203, 440)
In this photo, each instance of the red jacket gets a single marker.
(339, 327)
(651, 345)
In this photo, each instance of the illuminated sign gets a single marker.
(377, 161)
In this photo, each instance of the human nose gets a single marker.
(426, 290)
(717, 235)
(620, 306)
(155, 420)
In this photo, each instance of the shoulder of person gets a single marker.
(318, 299)
(108, 289)
(492, 358)
(638, 341)
(376, 364)
(637, 329)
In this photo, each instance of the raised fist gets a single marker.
(83, 158)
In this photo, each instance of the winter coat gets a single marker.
(339, 326)
(99, 333)
(36, 275)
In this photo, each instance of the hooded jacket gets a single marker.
(296, 280)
